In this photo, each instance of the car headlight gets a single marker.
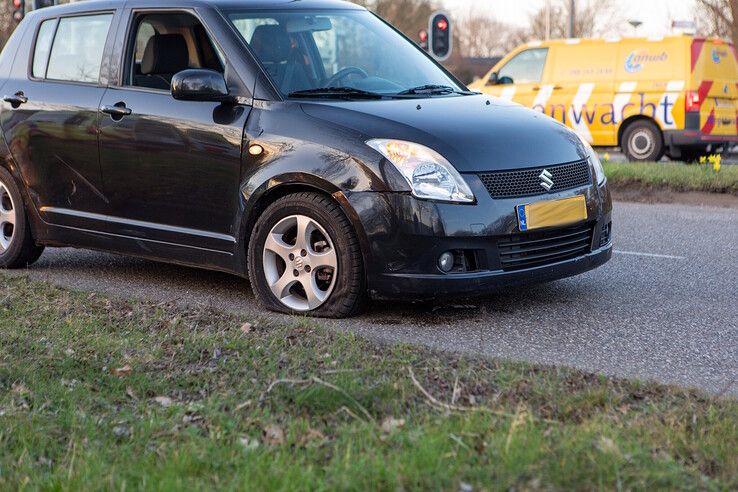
(428, 173)
(594, 160)
(598, 169)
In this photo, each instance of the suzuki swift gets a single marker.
(306, 145)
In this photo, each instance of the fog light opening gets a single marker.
(446, 262)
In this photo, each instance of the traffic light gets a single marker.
(423, 37)
(19, 10)
(440, 36)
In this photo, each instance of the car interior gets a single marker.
(166, 44)
(284, 57)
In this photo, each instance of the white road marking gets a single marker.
(650, 255)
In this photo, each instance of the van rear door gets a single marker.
(715, 78)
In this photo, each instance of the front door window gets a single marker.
(525, 68)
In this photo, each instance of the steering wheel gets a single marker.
(343, 73)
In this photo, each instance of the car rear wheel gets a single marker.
(17, 246)
(304, 258)
(643, 141)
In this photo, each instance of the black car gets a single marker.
(306, 145)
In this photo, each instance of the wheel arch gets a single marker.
(8, 162)
(634, 119)
(281, 186)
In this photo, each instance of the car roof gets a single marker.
(96, 5)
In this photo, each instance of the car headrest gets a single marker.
(165, 54)
(271, 44)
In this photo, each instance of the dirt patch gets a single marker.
(647, 194)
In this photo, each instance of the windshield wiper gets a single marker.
(431, 89)
(337, 92)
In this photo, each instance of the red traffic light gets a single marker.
(440, 39)
(17, 4)
(423, 35)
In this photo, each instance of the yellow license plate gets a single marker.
(552, 213)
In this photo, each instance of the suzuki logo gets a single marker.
(546, 181)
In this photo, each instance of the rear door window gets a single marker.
(43, 46)
(77, 51)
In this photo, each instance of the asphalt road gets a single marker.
(665, 308)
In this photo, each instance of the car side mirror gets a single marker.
(197, 84)
(493, 79)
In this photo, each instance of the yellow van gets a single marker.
(675, 95)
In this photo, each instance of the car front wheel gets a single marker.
(304, 258)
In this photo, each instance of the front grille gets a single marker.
(527, 182)
(534, 249)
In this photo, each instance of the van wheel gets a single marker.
(304, 258)
(17, 246)
(643, 141)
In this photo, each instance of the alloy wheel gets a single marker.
(300, 263)
(7, 218)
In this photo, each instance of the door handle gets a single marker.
(16, 100)
(117, 111)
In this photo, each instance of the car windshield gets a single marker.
(341, 54)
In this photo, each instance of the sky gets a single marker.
(656, 15)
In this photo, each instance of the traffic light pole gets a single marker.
(572, 18)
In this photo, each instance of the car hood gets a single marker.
(475, 133)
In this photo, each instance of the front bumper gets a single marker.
(422, 287)
(403, 238)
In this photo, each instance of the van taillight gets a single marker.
(693, 101)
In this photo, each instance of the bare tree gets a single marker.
(7, 24)
(593, 18)
(409, 16)
(482, 36)
(719, 18)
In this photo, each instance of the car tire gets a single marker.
(18, 249)
(321, 275)
(643, 141)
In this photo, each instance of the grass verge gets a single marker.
(673, 177)
(97, 393)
